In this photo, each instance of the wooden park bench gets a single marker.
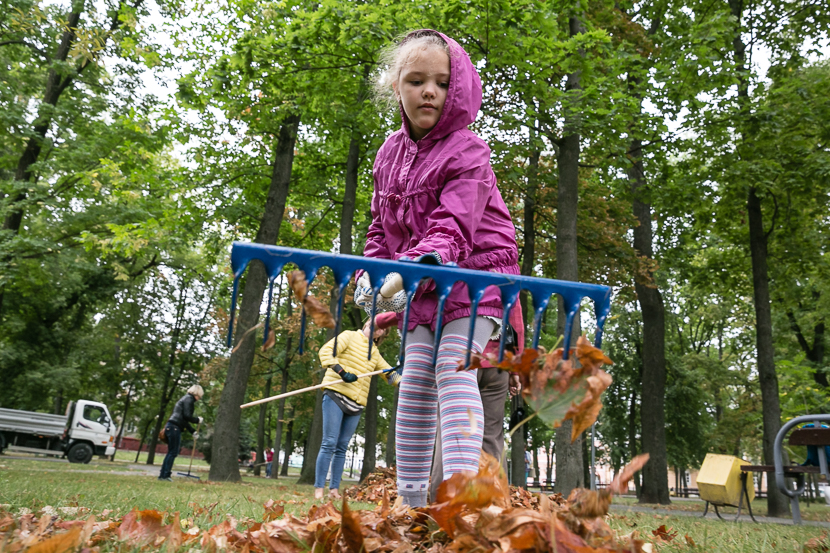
(815, 436)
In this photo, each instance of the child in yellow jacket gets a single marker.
(345, 395)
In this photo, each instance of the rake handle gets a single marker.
(302, 390)
(193, 449)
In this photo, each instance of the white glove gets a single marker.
(392, 284)
(363, 293)
(201, 420)
(391, 297)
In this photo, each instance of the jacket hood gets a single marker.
(464, 93)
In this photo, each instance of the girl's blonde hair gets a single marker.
(394, 57)
(196, 391)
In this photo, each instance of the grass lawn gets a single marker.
(32, 484)
(29, 484)
(814, 511)
(715, 535)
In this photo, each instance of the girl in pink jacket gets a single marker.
(436, 194)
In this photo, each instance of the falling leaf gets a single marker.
(473, 424)
(560, 390)
(318, 312)
(272, 339)
(620, 484)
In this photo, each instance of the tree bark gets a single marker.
(569, 473)
(655, 474)
(518, 444)
(260, 431)
(315, 436)
(225, 454)
(289, 445)
(281, 406)
(632, 437)
(777, 504)
(346, 223)
(370, 431)
(390, 440)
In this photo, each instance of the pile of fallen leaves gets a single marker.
(381, 480)
(474, 512)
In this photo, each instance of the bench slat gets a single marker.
(790, 469)
(810, 436)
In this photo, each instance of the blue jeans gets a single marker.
(337, 432)
(174, 442)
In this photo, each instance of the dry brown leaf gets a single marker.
(665, 534)
(350, 529)
(318, 312)
(620, 484)
(59, 543)
(273, 511)
(272, 339)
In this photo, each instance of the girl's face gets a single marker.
(422, 89)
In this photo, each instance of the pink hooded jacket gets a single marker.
(439, 194)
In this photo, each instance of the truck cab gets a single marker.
(89, 431)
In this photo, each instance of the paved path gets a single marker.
(712, 516)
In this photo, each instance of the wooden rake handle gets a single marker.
(302, 390)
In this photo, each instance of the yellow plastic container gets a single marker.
(719, 480)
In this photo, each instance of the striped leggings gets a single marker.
(426, 386)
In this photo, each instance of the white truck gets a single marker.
(87, 429)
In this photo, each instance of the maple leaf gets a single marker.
(318, 312)
(561, 390)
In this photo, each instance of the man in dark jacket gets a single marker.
(181, 419)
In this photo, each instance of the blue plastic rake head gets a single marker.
(445, 276)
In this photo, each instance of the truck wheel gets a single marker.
(2, 443)
(80, 453)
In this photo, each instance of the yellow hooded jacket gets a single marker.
(352, 352)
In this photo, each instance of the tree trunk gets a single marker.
(536, 467)
(224, 463)
(315, 438)
(632, 437)
(777, 504)
(260, 431)
(126, 411)
(390, 440)
(551, 451)
(518, 444)
(568, 455)
(370, 430)
(653, 415)
(346, 223)
(289, 445)
(281, 406)
(143, 439)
